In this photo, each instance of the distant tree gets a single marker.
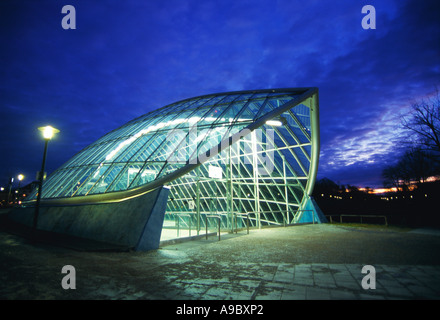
(423, 123)
(415, 165)
(352, 189)
(422, 158)
(326, 186)
(391, 176)
(419, 165)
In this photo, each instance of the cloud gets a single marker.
(128, 58)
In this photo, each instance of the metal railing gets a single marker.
(360, 216)
(257, 217)
(181, 216)
(219, 223)
(236, 223)
(183, 220)
(178, 223)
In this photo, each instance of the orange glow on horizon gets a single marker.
(411, 187)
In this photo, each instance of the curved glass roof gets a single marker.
(175, 143)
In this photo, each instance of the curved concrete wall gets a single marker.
(135, 223)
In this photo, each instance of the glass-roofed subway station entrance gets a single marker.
(237, 157)
(257, 163)
(260, 177)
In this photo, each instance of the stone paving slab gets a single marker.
(322, 285)
(294, 263)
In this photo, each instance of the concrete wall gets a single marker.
(135, 223)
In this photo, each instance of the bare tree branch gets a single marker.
(424, 123)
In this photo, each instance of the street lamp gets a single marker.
(48, 132)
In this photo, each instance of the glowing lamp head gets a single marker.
(20, 177)
(274, 123)
(277, 122)
(48, 132)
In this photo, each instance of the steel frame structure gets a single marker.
(262, 144)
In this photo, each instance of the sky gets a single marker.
(126, 58)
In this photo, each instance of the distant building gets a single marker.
(11, 196)
(227, 154)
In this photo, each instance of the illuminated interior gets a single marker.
(236, 155)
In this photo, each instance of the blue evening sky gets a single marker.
(126, 58)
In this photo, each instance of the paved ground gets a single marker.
(301, 262)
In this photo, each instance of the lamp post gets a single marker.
(11, 180)
(20, 178)
(48, 132)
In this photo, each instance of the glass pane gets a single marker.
(93, 177)
(126, 177)
(106, 179)
(147, 174)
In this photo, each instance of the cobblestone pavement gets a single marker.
(306, 262)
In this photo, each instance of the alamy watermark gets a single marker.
(369, 281)
(69, 20)
(369, 20)
(69, 280)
